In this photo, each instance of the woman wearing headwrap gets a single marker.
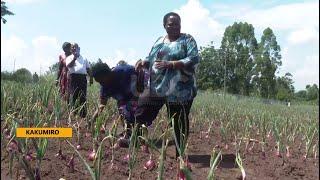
(62, 78)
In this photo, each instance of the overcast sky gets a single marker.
(115, 30)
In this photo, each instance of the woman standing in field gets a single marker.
(62, 78)
(172, 62)
(78, 69)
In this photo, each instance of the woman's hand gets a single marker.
(163, 64)
(75, 56)
(141, 64)
(57, 82)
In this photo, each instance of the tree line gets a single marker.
(21, 75)
(244, 66)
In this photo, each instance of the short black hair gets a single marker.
(66, 45)
(121, 62)
(165, 17)
(99, 69)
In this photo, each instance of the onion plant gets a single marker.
(214, 163)
(240, 165)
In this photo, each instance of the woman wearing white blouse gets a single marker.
(78, 69)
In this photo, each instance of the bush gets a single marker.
(23, 75)
(6, 76)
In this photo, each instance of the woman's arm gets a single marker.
(146, 62)
(71, 60)
(189, 61)
(102, 104)
(192, 58)
(60, 67)
(142, 64)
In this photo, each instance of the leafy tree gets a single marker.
(210, 70)
(6, 75)
(23, 75)
(268, 60)
(301, 95)
(53, 69)
(284, 87)
(238, 48)
(93, 63)
(312, 92)
(4, 12)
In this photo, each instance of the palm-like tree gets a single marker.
(4, 11)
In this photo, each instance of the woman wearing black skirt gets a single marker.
(78, 69)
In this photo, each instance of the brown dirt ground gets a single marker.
(199, 156)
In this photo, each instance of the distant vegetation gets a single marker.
(5, 11)
(244, 66)
(241, 66)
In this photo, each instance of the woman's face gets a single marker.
(173, 26)
(74, 48)
(67, 49)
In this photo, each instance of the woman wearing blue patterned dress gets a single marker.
(171, 63)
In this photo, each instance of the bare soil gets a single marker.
(199, 150)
